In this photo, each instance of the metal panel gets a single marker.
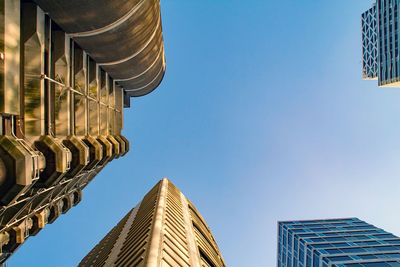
(111, 98)
(33, 38)
(61, 59)
(93, 118)
(80, 114)
(118, 91)
(139, 62)
(10, 57)
(92, 78)
(103, 103)
(111, 106)
(93, 92)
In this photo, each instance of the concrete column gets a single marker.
(194, 256)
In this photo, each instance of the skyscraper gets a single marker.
(164, 229)
(380, 39)
(67, 70)
(336, 243)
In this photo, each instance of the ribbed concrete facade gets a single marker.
(165, 229)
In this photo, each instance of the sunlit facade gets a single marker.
(68, 69)
(336, 243)
(163, 230)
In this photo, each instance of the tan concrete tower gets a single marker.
(164, 229)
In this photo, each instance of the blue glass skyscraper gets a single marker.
(336, 243)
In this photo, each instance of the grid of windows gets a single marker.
(388, 21)
(336, 243)
(380, 42)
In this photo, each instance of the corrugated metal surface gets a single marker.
(124, 37)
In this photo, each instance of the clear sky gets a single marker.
(262, 116)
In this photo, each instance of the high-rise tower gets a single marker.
(164, 229)
(336, 243)
(380, 42)
(67, 70)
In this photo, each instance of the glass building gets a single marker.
(336, 243)
(388, 42)
(380, 43)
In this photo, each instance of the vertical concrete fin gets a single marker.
(193, 251)
(154, 253)
(112, 257)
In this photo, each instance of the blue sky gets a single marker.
(262, 116)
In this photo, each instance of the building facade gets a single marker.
(336, 243)
(164, 229)
(380, 32)
(369, 44)
(387, 15)
(67, 70)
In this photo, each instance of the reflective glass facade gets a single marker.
(336, 243)
(387, 15)
(369, 43)
(380, 42)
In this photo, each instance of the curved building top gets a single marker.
(123, 36)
